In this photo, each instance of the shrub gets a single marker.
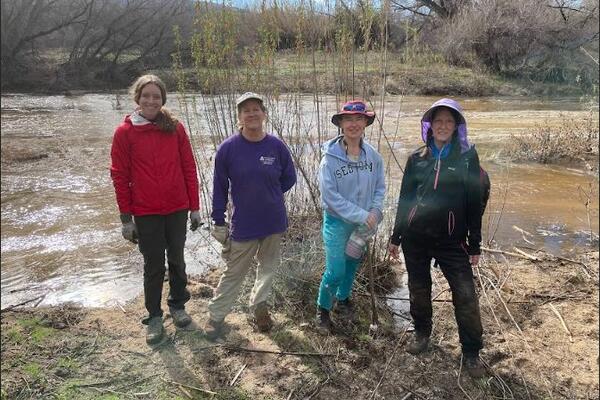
(575, 140)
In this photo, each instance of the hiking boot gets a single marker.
(417, 344)
(155, 330)
(323, 322)
(345, 310)
(181, 318)
(213, 329)
(262, 318)
(473, 365)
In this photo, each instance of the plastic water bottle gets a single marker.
(357, 243)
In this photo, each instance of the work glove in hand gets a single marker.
(195, 220)
(129, 232)
(221, 233)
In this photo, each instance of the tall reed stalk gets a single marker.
(325, 52)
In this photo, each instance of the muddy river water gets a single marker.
(60, 232)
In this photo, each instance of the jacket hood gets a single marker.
(461, 127)
(137, 121)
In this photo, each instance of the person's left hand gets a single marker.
(394, 251)
(195, 221)
(474, 260)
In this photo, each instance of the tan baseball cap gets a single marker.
(248, 96)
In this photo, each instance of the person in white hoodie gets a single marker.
(352, 184)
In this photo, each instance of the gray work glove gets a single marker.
(195, 222)
(128, 229)
(221, 233)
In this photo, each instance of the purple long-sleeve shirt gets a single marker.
(259, 173)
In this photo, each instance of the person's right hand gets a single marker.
(221, 233)
(129, 231)
(372, 220)
(394, 251)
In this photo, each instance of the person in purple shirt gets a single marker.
(255, 169)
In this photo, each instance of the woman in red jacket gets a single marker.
(154, 175)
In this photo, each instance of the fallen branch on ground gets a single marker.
(509, 253)
(9, 308)
(562, 321)
(282, 353)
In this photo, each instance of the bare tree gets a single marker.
(442, 8)
(26, 21)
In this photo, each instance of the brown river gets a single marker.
(60, 231)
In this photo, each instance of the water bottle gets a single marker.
(357, 243)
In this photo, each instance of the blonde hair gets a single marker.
(165, 121)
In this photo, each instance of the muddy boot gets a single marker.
(181, 318)
(263, 320)
(323, 321)
(213, 329)
(473, 365)
(155, 330)
(417, 344)
(345, 310)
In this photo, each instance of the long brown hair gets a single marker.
(165, 121)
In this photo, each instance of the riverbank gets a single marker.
(291, 73)
(541, 341)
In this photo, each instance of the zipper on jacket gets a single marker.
(438, 166)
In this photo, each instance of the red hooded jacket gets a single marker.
(153, 172)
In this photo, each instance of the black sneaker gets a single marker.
(473, 365)
(323, 322)
(345, 310)
(417, 344)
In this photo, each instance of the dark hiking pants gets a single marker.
(157, 234)
(454, 263)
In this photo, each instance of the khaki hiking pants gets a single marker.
(239, 257)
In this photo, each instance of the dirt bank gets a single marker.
(541, 334)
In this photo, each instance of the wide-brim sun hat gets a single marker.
(354, 107)
(248, 96)
(457, 112)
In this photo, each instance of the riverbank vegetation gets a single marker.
(574, 141)
(548, 47)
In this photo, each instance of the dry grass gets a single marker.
(574, 140)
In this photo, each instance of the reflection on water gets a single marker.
(61, 234)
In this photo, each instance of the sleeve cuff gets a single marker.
(474, 250)
(395, 241)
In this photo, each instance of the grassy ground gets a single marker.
(540, 321)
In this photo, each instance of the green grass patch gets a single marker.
(67, 363)
(234, 394)
(29, 323)
(37, 331)
(70, 390)
(14, 335)
(364, 337)
(40, 333)
(33, 369)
